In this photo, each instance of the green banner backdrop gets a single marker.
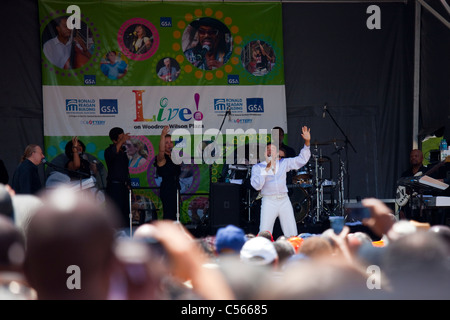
(143, 65)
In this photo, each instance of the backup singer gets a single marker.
(269, 177)
(78, 161)
(170, 174)
(118, 179)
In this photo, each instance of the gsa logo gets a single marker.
(135, 182)
(255, 105)
(165, 21)
(108, 106)
(233, 79)
(89, 80)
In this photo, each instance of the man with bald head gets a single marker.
(416, 164)
(416, 168)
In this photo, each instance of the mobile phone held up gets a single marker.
(356, 211)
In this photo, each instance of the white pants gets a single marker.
(281, 207)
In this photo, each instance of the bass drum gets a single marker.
(301, 202)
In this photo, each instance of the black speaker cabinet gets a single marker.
(225, 205)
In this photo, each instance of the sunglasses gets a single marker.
(210, 32)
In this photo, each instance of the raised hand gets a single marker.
(306, 135)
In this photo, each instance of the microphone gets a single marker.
(324, 111)
(201, 55)
(44, 161)
(229, 114)
(84, 156)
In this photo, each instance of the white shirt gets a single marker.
(57, 52)
(273, 182)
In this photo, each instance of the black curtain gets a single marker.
(364, 77)
(434, 73)
(21, 121)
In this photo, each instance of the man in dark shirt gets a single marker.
(170, 173)
(118, 179)
(26, 178)
(409, 206)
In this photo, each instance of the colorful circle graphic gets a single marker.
(138, 39)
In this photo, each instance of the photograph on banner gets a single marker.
(138, 38)
(139, 151)
(67, 48)
(258, 58)
(114, 65)
(206, 40)
(198, 207)
(207, 43)
(168, 69)
(143, 207)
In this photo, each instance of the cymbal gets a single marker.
(317, 143)
(332, 141)
(319, 160)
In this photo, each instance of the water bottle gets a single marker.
(443, 149)
(443, 145)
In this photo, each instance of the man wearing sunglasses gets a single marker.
(212, 49)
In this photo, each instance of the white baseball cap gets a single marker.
(258, 251)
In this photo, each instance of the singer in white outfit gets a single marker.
(269, 177)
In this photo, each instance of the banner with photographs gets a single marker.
(199, 67)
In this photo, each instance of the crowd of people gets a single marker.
(65, 245)
(61, 243)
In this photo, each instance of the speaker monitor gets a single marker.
(225, 204)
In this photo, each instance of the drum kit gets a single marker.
(307, 186)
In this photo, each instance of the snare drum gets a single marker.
(303, 178)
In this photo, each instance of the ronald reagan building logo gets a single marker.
(233, 104)
(89, 106)
(80, 106)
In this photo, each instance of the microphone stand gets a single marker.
(209, 165)
(77, 173)
(346, 143)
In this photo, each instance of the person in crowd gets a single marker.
(26, 178)
(284, 249)
(188, 262)
(13, 285)
(6, 203)
(316, 247)
(259, 251)
(266, 234)
(170, 173)
(118, 182)
(269, 177)
(229, 240)
(69, 246)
